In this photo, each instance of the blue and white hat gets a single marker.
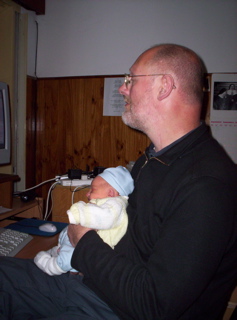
(120, 179)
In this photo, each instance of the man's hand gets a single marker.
(76, 232)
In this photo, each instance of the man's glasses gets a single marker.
(128, 77)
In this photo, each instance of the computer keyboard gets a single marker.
(12, 241)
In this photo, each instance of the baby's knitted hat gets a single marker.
(120, 179)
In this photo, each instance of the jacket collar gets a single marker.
(178, 148)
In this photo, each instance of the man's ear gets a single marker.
(166, 87)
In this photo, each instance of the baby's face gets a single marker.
(99, 189)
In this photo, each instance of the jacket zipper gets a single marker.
(157, 159)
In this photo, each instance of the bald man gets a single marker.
(178, 257)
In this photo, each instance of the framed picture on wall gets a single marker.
(224, 92)
(223, 113)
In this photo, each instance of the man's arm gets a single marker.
(176, 272)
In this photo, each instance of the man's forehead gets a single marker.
(143, 61)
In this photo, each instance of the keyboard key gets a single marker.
(12, 241)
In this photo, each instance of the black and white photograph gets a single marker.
(225, 95)
(223, 115)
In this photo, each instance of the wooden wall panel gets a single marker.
(72, 132)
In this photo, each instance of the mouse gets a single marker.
(47, 227)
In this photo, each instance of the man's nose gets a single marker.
(123, 89)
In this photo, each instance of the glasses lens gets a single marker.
(127, 80)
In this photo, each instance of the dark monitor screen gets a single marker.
(5, 125)
(2, 124)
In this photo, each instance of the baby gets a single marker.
(105, 212)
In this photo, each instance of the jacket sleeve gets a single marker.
(176, 272)
(99, 214)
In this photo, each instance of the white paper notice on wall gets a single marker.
(223, 115)
(113, 100)
(226, 134)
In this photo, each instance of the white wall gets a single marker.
(99, 37)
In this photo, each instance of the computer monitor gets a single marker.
(5, 125)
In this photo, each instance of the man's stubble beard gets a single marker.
(130, 121)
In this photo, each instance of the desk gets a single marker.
(30, 209)
(38, 243)
(6, 189)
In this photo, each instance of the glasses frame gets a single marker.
(128, 77)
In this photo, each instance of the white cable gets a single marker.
(73, 192)
(37, 185)
(47, 214)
